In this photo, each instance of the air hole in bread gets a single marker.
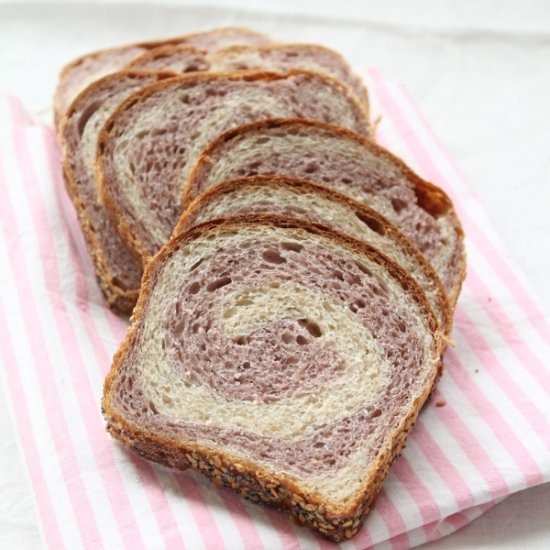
(261, 140)
(398, 205)
(301, 341)
(286, 337)
(241, 340)
(195, 265)
(364, 269)
(295, 247)
(273, 257)
(311, 168)
(371, 223)
(357, 305)
(313, 328)
(194, 287)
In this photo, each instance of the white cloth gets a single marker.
(480, 76)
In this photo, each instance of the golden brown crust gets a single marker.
(337, 522)
(282, 181)
(125, 228)
(431, 197)
(119, 299)
(358, 84)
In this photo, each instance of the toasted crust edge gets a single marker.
(363, 94)
(283, 181)
(337, 523)
(125, 228)
(119, 299)
(147, 45)
(431, 195)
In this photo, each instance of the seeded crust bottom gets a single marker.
(262, 487)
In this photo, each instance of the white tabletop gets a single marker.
(479, 72)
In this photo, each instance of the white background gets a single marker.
(480, 72)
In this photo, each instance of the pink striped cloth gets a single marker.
(57, 337)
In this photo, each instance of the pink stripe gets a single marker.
(363, 538)
(200, 511)
(443, 466)
(517, 289)
(287, 536)
(83, 268)
(18, 115)
(498, 486)
(501, 268)
(422, 497)
(44, 372)
(504, 433)
(45, 506)
(246, 528)
(114, 483)
(481, 348)
(120, 504)
(506, 327)
(457, 520)
(393, 519)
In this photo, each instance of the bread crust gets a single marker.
(146, 45)
(125, 227)
(363, 94)
(335, 522)
(430, 196)
(299, 184)
(119, 299)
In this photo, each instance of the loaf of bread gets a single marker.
(117, 271)
(83, 71)
(148, 146)
(290, 197)
(285, 57)
(351, 164)
(281, 360)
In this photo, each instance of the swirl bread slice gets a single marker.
(84, 70)
(148, 146)
(280, 359)
(117, 271)
(301, 199)
(351, 164)
(268, 57)
(285, 57)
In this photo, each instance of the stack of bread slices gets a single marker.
(295, 282)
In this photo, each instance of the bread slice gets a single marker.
(351, 164)
(117, 271)
(279, 359)
(284, 57)
(177, 58)
(148, 146)
(301, 199)
(84, 70)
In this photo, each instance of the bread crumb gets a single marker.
(441, 403)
